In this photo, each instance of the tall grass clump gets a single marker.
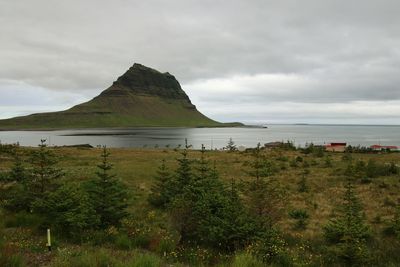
(246, 260)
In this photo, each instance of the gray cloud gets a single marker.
(259, 53)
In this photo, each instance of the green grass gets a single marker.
(136, 168)
(105, 257)
(116, 111)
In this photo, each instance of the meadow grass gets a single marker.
(137, 167)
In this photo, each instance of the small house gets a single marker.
(384, 148)
(336, 147)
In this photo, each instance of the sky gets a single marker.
(254, 61)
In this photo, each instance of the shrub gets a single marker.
(366, 180)
(301, 217)
(302, 184)
(328, 161)
(394, 226)
(349, 231)
(166, 245)
(269, 247)
(68, 210)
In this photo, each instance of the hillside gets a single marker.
(142, 97)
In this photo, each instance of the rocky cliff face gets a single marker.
(142, 80)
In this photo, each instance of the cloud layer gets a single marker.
(274, 61)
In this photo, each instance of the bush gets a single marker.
(68, 210)
(166, 245)
(349, 231)
(269, 247)
(301, 217)
(302, 185)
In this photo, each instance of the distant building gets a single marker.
(384, 148)
(336, 147)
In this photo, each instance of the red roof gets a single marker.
(383, 147)
(336, 144)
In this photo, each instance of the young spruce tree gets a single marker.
(349, 231)
(184, 173)
(107, 194)
(20, 197)
(162, 191)
(263, 194)
(44, 173)
(231, 147)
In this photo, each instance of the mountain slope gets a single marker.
(142, 97)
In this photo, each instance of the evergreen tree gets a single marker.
(349, 230)
(328, 161)
(188, 189)
(18, 171)
(31, 189)
(240, 228)
(184, 173)
(69, 211)
(20, 197)
(263, 194)
(205, 213)
(302, 185)
(231, 147)
(44, 173)
(162, 191)
(107, 194)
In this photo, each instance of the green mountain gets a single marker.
(142, 97)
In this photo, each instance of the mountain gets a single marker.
(142, 97)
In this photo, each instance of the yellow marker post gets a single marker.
(48, 240)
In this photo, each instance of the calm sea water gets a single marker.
(210, 137)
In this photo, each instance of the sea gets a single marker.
(211, 138)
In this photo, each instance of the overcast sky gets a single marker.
(266, 61)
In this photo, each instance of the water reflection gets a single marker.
(210, 137)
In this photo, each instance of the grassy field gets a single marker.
(325, 176)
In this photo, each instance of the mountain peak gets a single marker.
(143, 80)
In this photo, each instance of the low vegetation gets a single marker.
(183, 207)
